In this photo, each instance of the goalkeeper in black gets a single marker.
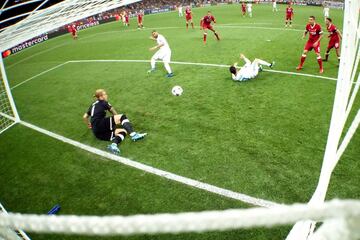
(113, 128)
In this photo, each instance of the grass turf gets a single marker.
(265, 137)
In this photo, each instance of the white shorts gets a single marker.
(163, 54)
(326, 15)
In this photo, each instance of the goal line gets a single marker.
(146, 168)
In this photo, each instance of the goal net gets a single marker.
(8, 112)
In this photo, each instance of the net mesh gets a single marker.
(5, 107)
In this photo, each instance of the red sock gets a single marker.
(205, 37)
(302, 60)
(320, 62)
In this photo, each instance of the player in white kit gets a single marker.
(274, 9)
(180, 9)
(249, 9)
(163, 53)
(326, 12)
(250, 70)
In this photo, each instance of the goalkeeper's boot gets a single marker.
(138, 136)
(151, 70)
(113, 148)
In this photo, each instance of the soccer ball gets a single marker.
(177, 91)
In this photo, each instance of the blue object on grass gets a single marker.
(54, 210)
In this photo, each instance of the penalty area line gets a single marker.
(202, 64)
(146, 168)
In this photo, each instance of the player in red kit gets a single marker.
(315, 35)
(73, 31)
(188, 16)
(126, 19)
(334, 41)
(243, 9)
(205, 24)
(140, 16)
(289, 15)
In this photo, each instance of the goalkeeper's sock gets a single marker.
(119, 138)
(126, 124)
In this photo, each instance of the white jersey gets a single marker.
(326, 12)
(249, 7)
(180, 9)
(164, 53)
(247, 72)
(274, 4)
(161, 40)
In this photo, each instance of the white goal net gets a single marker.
(8, 112)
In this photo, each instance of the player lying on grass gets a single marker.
(249, 70)
(106, 128)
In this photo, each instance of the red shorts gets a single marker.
(288, 17)
(243, 10)
(310, 45)
(333, 43)
(188, 18)
(127, 20)
(208, 27)
(140, 20)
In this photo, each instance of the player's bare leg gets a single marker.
(338, 53)
(327, 53)
(192, 24)
(302, 60)
(216, 34)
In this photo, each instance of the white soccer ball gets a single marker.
(177, 91)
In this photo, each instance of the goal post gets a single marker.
(8, 111)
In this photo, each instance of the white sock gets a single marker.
(152, 63)
(167, 67)
(262, 62)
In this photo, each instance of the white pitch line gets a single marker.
(37, 75)
(207, 65)
(34, 55)
(168, 175)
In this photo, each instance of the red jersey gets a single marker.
(333, 35)
(207, 20)
(72, 28)
(289, 11)
(188, 12)
(243, 7)
(140, 16)
(314, 32)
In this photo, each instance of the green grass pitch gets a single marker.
(264, 138)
